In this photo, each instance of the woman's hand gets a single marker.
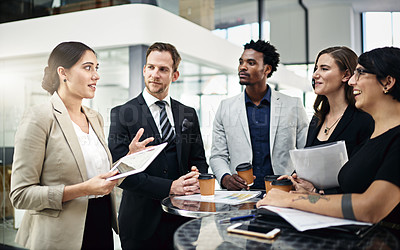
(275, 197)
(300, 185)
(99, 185)
(135, 145)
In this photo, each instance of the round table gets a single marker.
(197, 209)
(208, 233)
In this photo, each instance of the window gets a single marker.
(381, 29)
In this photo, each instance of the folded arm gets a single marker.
(30, 147)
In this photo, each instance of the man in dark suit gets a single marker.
(143, 224)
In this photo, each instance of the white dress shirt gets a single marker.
(95, 155)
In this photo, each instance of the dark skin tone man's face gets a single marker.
(252, 70)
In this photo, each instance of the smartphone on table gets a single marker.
(254, 230)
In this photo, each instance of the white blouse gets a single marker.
(95, 155)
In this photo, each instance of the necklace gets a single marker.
(326, 130)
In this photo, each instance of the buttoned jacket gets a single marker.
(140, 210)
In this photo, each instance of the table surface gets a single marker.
(197, 209)
(208, 233)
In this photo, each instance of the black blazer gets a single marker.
(140, 209)
(354, 128)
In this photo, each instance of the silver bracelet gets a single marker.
(347, 207)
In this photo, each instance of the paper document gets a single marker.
(136, 162)
(221, 196)
(303, 221)
(320, 164)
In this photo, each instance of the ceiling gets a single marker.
(360, 5)
(235, 12)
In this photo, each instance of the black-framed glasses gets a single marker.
(360, 71)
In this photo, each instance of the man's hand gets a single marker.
(234, 183)
(186, 185)
(137, 146)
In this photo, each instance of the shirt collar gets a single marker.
(266, 98)
(150, 100)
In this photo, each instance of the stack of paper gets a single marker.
(320, 164)
(305, 220)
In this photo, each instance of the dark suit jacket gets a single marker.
(354, 128)
(140, 209)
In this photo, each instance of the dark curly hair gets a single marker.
(384, 62)
(65, 54)
(271, 57)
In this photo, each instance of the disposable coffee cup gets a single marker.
(268, 180)
(284, 185)
(245, 171)
(207, 186)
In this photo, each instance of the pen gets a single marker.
(237, 218)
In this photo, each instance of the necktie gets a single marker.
(166, 128)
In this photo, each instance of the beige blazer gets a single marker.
(231, 143)
(48, 157)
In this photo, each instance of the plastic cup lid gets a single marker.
(206, 176)
(244, 167)
(271, 177)
(284, 182)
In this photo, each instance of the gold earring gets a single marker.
(385, 91)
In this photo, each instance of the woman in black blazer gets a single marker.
(336, 118)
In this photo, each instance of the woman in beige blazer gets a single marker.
(61, 161)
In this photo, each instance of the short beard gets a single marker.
(245, 83)
(161, 90)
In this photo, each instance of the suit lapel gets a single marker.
(241, 107)
(63, 119)
(276, 106)
(178, 119)
(313, 130)
(150, 124)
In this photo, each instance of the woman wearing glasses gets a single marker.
(370, 180)
(336, 118)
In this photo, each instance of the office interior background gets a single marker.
(209, 34)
